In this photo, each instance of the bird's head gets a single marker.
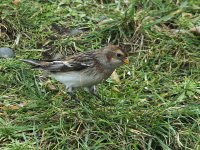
(114, 56)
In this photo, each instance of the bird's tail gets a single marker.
(34, 63)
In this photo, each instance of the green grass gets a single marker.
(155, 106)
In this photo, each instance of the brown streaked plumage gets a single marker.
(84, 69)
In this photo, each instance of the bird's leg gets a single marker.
(93, 91)
(72, 95)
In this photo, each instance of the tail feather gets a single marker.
(34, 63)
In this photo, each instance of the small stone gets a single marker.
(6, 52)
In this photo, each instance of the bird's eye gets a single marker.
(119, 55)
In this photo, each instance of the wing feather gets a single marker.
(75, 63)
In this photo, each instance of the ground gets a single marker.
(154, 106)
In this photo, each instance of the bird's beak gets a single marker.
(126, 61)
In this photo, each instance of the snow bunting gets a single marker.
(85, 69)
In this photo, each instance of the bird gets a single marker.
(83, 70)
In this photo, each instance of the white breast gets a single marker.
(77, 79)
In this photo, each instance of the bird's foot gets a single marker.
(74, 98)
(92, 90)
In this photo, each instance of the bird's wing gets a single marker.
(75, 63)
